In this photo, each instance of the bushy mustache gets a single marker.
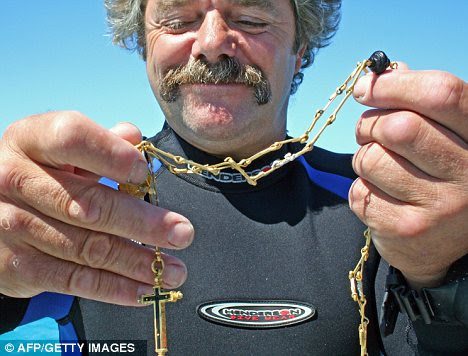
(227, 71)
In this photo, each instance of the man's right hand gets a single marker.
(62, 231)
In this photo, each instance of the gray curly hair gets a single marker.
(316, 23)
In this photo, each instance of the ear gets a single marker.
(299, 55)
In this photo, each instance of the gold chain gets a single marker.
(357, 291)
(158, 264)
(180, 165)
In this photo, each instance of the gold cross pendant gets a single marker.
(159, 298)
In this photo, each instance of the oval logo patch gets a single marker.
(257, 313)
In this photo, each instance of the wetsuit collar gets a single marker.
(169, 141)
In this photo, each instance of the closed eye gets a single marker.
(252, 24)
(178, 25)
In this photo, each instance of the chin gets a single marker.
(217, 122)
(216, 130)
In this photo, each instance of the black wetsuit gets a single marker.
(292, 238)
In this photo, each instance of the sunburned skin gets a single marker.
(226, 119)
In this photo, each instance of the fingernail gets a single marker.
(181, 235)
(174, 275)
(118, 128)
(361, 86)
(138, 173)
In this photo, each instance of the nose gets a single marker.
(214, 39)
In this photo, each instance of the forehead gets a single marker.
(164, 5)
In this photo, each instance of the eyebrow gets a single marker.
(262, 4)
(166, 5)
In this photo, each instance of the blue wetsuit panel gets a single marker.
(332, 182)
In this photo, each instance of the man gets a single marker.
(222, 72)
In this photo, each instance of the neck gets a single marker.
(235, 147)
(236, 150)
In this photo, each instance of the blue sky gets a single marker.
(55, 55)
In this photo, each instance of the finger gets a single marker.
(35, 272)
(71, 139)
(429, 146)
(87, 204)
(394, 175)
(437, 95)
(124, 130)
(408, 236)
(87, 174)
(128, 132)
(88, 248)
(385, 215)
(402, 65)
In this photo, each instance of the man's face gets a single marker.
(192, 48)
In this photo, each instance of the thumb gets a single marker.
(128, 132)
(402, 65)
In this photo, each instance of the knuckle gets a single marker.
(98, 250)
(364, 127)
(103, 207)
(85, 205)
(402, 128)
(447, 92)
(356, 161)
(357, 195)
(76, 279)
(65, 128)
(412, 225)
(13, 179)
(81, 280)
(370, 158)
(15, 221)
(63, 201)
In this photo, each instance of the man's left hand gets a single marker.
(413, 168)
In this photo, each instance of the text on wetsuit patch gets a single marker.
(257, 313)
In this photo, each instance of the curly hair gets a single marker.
(316, 23)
